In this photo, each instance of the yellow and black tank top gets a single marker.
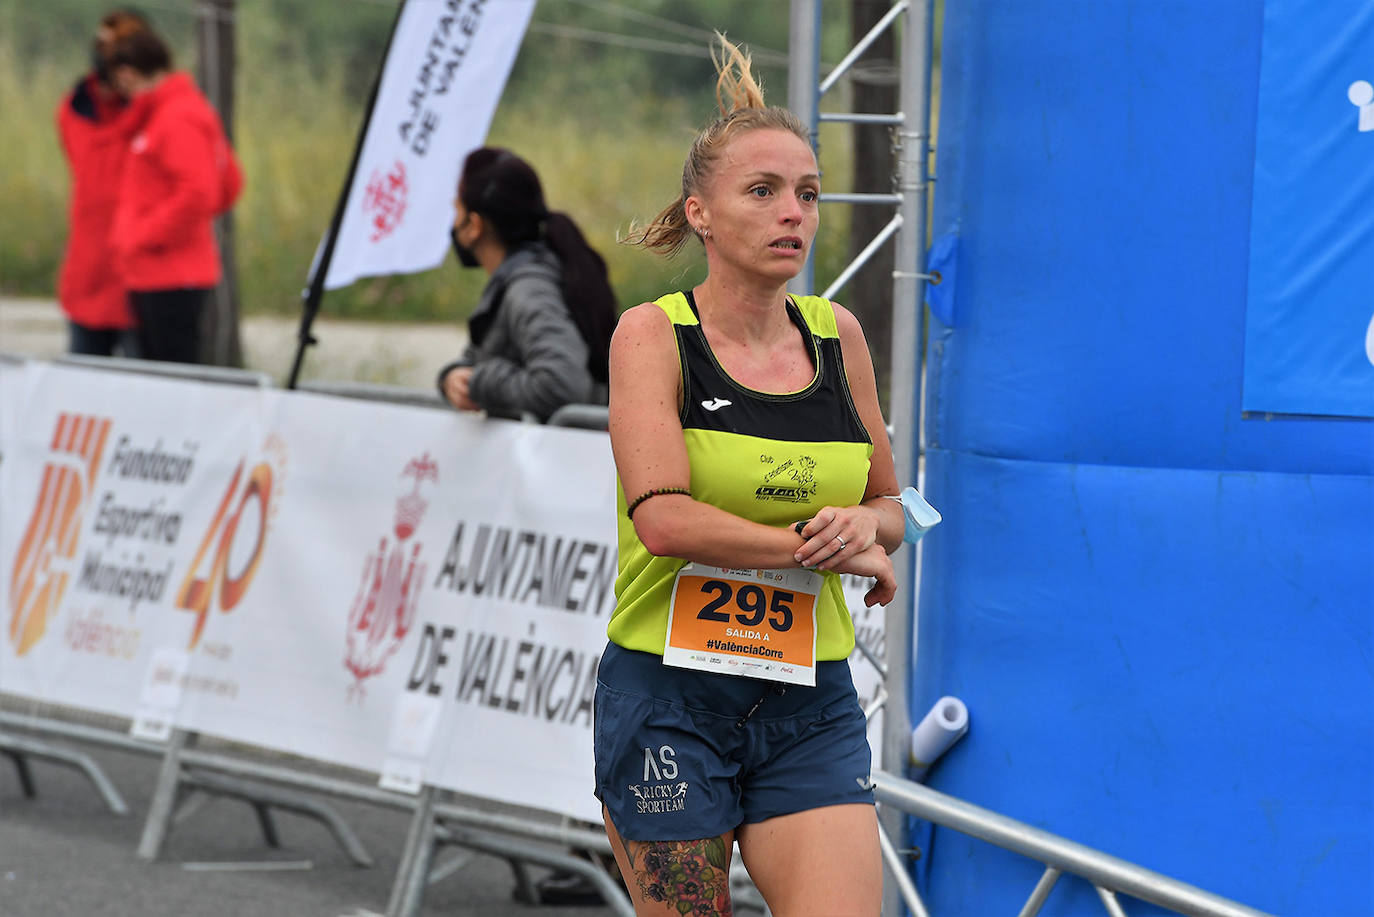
(771, 458)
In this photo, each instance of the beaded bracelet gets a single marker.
(656, 492)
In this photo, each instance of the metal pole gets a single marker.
(1102, 869)
(216, 28)
(803, 97)
(908, 289)
(905, 887)
(314, 293)
(408, 888)
(159, 817)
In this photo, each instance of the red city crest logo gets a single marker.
(45, 560)
(384, 608)
(384, 200)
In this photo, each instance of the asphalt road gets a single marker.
(64, 854)
(393, 353)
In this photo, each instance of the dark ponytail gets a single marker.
(586, 290)
(506, 191)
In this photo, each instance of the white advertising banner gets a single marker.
(113, 527)
(13, 381)
(415, 593)
(12, 377)
(413, 554)
(442, 78)
(536, 560)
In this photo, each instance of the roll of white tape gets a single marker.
(944, 725)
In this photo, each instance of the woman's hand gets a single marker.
(874, 562)
(457, 383)
(844, 539)
(837, 532)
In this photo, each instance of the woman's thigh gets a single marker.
(822, 862)
(660, 875)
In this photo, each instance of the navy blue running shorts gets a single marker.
(684, 755)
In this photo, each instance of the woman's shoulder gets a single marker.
(826, 317)
(643, 316)
(526, 276)
(642, 323)
(846, 322)
(853, 343)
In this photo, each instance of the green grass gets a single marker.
(33, 184)
(606, 158)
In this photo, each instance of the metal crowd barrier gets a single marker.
(374, 391)
(190, 372)
(173, 782)
(1108, 875)
(584, 416)
(186, 770)
(438, 824)
(20, 749)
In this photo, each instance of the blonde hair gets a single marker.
(739, 98)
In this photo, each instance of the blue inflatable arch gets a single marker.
(1148, 423)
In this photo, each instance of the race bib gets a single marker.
(759, 623)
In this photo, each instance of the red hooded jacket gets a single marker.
(90, 125)
(179, 174)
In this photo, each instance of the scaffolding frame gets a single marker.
(907, 231)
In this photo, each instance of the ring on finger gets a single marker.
(841, 541)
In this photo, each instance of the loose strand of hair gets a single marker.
(739, 98)
(736, 87)
(665, 234)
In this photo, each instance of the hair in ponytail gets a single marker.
(586, 290)
(507, 192)
(739, 99)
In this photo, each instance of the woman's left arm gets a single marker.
(877, 519)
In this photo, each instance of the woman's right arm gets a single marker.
(650, 454)
(453, 386)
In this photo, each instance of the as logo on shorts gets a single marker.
(660, 791)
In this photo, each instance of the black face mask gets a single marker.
(465, 256)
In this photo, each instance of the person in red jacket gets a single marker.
(180, 173)
(90, 125)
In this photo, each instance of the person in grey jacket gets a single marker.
(540, 335)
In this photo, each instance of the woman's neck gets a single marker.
(743, 311)
(489, 254)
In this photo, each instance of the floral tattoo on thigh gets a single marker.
(688, 877)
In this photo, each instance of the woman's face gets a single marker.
(128, 82)
(761, 204)
(466, 232)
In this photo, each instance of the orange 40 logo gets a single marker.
(44, 563)
(210, 581)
